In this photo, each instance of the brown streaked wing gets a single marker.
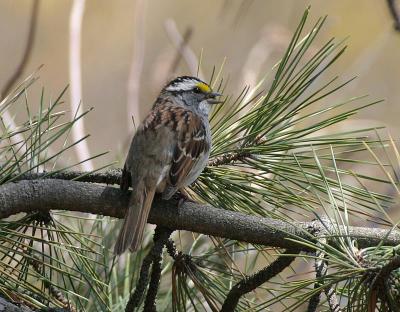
(191, 145)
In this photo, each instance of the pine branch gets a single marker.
(153, 258)
(46, 195)
(252, 282)
(333, 302)
(56, 293)
(316, 298)
(388, 268)
(228, 158)
(6, 306)
(379, 284)
(321, 268)
(137, 295)
(161, 238)
(109, 177)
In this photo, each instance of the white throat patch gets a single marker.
(204, 107)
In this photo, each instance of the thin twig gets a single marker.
(250, 283)
(188, 55)
(321, 268)
(171, 249)
(387, 269)
(27, 52)
(150, 302)
(137, 295)
(228, 158)
(56, 293)
(161, 240)
(242, 11)
(379, 284)
(179, 53)
(395, 13)
(316, 297)
(6, 116)
(273, 38)
(161, 236)
(333, 301)
(75, 73)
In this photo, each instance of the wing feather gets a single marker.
(191, 145)
(191, 138)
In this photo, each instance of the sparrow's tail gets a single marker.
(135, 221)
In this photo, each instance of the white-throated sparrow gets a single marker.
(168, 152)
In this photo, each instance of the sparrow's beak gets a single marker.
(211, 98)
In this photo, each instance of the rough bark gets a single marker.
(53, 194)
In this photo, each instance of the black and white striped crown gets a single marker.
(183, 83)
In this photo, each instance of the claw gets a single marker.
(183, 197)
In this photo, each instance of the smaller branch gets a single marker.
(187, 53)
(332, 300)
(171, 249)
(232, 157)
(250, 283)
(242, 11)
(141, 285)
(316, 298)
(38, 267)
(379, 284)
(185, 39)
(388, 268)
(228, 158)
(161, 236)
(6, 306)
(321, 268)
(395, 13)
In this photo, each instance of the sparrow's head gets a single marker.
(192, 92)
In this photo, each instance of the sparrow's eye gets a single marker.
(197, 90)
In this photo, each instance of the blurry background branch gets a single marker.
(7, 119)
(394, 11)
(180, 42)
(53, 194)
(27, 52)
(75, 73)
(136, 67)
(182, 49)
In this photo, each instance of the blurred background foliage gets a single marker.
(252, 35)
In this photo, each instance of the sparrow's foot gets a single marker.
(182, 196)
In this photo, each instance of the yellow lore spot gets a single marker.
(204, 87)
